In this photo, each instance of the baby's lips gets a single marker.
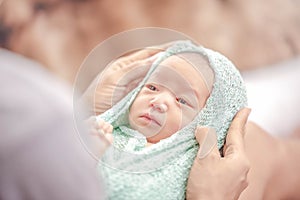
(152, 118)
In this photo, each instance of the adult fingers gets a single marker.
(236, 132)
(240, 120)
(164, 46)
(147, 53)
(207, 140)
(127, 75)
(125, 61)
(135, 72)
(133, 67)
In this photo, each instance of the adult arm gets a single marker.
(275, 164)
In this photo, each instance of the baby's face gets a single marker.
(171, 98)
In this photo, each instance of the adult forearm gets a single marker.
(264, 153)
(290, 174)
(284, 182)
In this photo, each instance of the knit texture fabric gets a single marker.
(133, 171)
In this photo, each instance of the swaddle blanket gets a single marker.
(133, 171)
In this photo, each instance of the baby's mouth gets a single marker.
(150, 118)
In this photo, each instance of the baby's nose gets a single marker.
(161, 107)
(161, 102)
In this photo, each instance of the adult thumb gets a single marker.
(207, 140)
(200, 133)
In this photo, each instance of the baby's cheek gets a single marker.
(187, 116)
(177, 123)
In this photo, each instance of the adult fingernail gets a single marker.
(200, 133)
(208, 143)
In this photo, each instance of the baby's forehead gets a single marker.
(185, 68)
(170, 77)
(182, 78)
(201, 66)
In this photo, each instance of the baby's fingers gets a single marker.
(100, 142)
(104, 126)
(109, 138)
(92, 122)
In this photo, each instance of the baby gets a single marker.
(172, 96)
(186, 86)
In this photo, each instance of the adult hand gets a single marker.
(215, 177)
(119, 78)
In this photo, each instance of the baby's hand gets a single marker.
(100, 126)
(104, 126)
(102, 130)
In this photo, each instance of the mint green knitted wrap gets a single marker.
(133, 171)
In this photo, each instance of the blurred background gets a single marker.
(261, 37)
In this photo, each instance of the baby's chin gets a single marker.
(153, 132)
(147, 128)
(154, 139)
(149, 132)
(158, 137)
(154, 135)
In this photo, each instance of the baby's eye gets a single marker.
(181, 100)
(151, 87)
